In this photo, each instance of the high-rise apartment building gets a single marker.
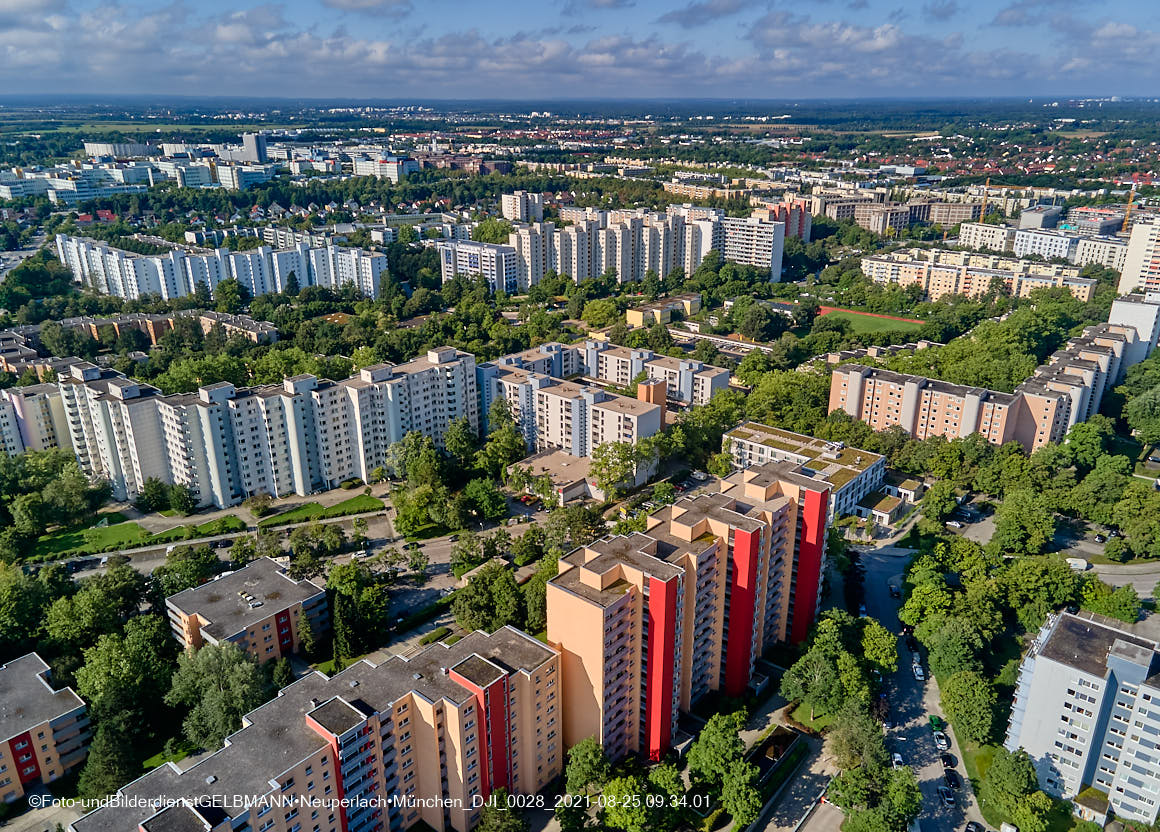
(44, 732)
(1142, 261)
(1142, 313)
(534, 246)
(1109, 252)
(497, 264)
(178, 273)
(33, 418)
(375, 747)
(1087, 711)
(228, 443)
(1046, 243)
(258, 608)
(239, 177)
(522, 206)
(690, 381)
(754, 242)
(650, 623)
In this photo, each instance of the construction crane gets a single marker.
(983, 208)
(1128, 212)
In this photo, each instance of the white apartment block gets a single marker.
(390, 167)
(178, 272)
(1087, 711)
(497, 264)
(562, 415)
(297, 437)
(533, 245)
(1142, 313)
(1108, 252)
(240, 177)
(522, 206)
(1046, 243)
(33, 419)
(689, 382)
(1142, 261)
(979, 235)
(755, 242)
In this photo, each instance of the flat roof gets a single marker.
(838, 464)
(1084, 642)
(27, 699)
(228, 611)
(560, 466)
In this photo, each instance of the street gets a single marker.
(911, 701)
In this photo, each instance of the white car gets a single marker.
(941, 742)
(896, 761)
(954, 524)
(919, 673)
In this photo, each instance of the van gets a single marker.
(1078, 564)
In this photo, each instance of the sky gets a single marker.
(581, 49)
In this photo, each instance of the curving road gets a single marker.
(1143, 576)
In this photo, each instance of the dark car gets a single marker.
(974, 827)
(951, 778)
(911, 644)
(895, 592)
(947, 760)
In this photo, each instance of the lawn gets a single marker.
(92, 540)
(427, 532)
(180, 752)
(819, 723)
(869, 323)
(306, 512)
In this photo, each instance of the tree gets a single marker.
(111, 763)
(367, 615)
(813, 679)
(126, 675)
(1009, 780)
(490, 600)
(418, 562)
(218, 685)
(969, 700)
(497, 816)
(1143, 415)
(486, 500)
(856, 740)
(154, 495)
(716, 748)
(529, 546)
(1121, 603)
(462, 444)
(230, 296)
(625, 806)
(739, 794)
(181, 499)
(587, 767)
(954, 646)
(939, 501)
(1024, 524)
(612, 465)
(665, 493)
(186, 567)
(879, 646)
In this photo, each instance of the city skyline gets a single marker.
(580, 49)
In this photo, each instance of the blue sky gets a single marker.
(416, 49)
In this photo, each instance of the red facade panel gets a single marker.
(811, 548)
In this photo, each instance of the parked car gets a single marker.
(954, 524)
(896, 760)
(941, 742)
(947, 760)
(895, 592)
(946, 796)
(918, 672)
(937, 723)
(972, 826)
(951, 778)
(1099, 538)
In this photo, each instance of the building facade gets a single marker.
(1087, 711)
(647, 624)
(44, 732)
(1142, 260)
(373, 748)
(497, 264)
(227, 443)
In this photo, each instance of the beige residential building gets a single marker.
(689, 381)
(979, 235)
(44, 732)
(648, 624)
(375, 747)
(258, 608)
(661, 311)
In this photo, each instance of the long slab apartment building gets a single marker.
(648, 624)
(375, 747)
(942, 272)
(627, 242)
(178, 272)
(1081, 249)
(228, 443)
(1066, 390)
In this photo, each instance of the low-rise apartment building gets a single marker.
(229, 443)
(851, 473)
(375, 747)
(258, 608)
(44, 733)
(661, 311)
(1045, 242)
(1087, 711)
(647, 624)
(689, 381)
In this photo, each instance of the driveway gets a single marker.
(910, 703)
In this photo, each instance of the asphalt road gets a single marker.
(911, 701)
